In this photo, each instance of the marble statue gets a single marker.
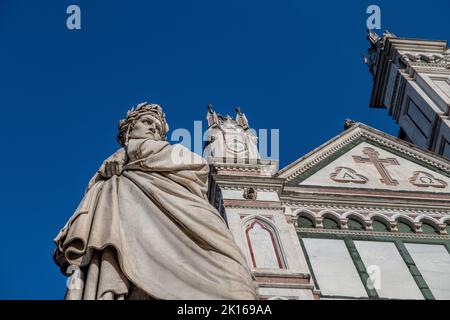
(145, 228)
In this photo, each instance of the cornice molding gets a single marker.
(384, 209)
(242, 186)
(253, 204)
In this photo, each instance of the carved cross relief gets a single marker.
(380, 165)
(348, 175)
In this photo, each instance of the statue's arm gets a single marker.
(113, 165)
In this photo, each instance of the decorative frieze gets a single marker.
(374, 233)
(415, 221)
(382, 209)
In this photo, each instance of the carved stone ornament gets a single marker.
(250, 193)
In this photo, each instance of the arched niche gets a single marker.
(428, 228)
(379, 225)
(305, 221)
(331, 223)
(404, 226)
(263, 245)
(355, 224)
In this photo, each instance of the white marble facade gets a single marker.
(433, 261)
(392, 279)
(362, 176)
(334, 268)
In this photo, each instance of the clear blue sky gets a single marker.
(292, 65)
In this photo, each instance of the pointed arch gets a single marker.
(263, 243)
(252, 217)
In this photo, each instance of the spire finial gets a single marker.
(211, 116)
(241, 119)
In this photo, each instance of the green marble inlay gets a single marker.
(329, 223)
(399, 242)
(305, 222)
(428, 229)
(404, 228)
(354, 225)
(379, 226)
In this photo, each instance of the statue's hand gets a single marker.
(112, 168)
(113, 165)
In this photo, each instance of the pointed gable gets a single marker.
(364, 158)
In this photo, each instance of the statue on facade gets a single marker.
(145, 228)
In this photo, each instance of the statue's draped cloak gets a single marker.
(152, 228)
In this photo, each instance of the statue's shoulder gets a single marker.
(182, 154)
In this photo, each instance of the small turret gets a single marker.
(230, 138)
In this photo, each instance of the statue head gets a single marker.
(147, 120)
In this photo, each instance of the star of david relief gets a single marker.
(347, 175)
(380, 165)
(425, 180)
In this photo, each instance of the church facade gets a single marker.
(365, 215)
